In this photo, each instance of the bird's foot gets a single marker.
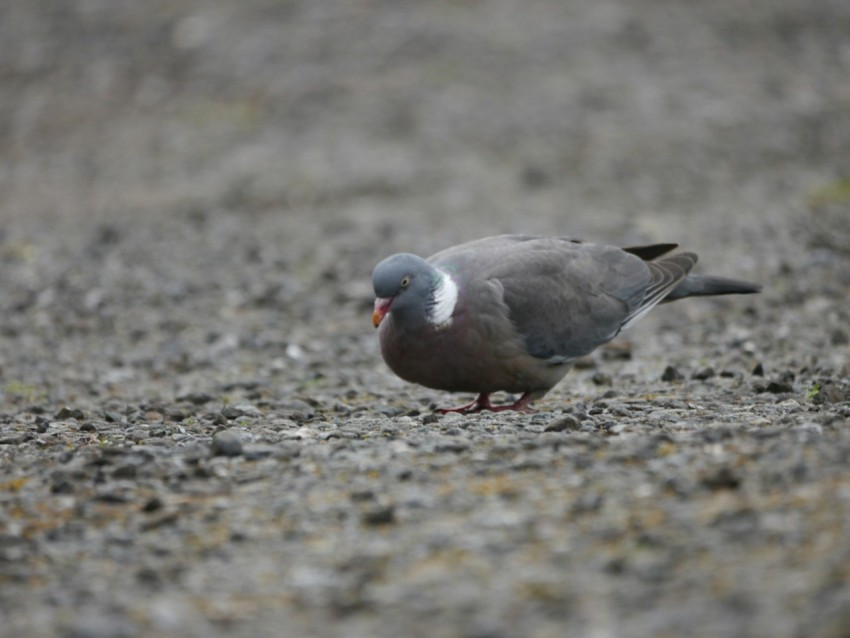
(523, 404)
(482, 402)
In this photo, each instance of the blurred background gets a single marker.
(611, 117)
(215, 158)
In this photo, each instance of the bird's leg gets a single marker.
(520, 405)
(482, 402)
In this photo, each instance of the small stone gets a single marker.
(671, 374)
(69, 413)
(721, 479)
(758, 370)
(809, 428)
(779, 387)
(127, 471)
(88, 427)
(161, 519)
(383, 515)
(295, 404)
(149, 576)
(153, 504)
(257, 452)
(111, 497)
(196, 398)
(568, 422)
(587, 503)
(362, 495)
(617, 351)
(236, 411)
(137, 435)
(287, 451)
(227, 443)
(578, 410)
(455, 445)
(62, 487)
(176, 415)
(115, 450)
(600, 378)
(703, 373)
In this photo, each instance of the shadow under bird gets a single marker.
(512, 313)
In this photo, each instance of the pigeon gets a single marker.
(512, 313)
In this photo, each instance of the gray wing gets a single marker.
(490, 249)
(565, 298)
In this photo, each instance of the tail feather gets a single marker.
(705, 285)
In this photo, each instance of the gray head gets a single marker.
(405, 284)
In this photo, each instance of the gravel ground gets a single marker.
(197, 435)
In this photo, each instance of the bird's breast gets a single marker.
(464, 356)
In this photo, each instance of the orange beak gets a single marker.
(382, 307)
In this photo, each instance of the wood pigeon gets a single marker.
(514, 312)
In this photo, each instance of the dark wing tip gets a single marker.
(652, 251)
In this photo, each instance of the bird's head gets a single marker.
(414, 291)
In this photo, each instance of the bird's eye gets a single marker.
(405, 281)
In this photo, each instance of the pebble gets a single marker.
(809, 428)
(381, 515)
(703, 373)
(722, 478)
(778, 387)
(671, 374)
(196, 398)
(600, 378)
(227, 443)
(232, 412)
(568, 422)
(256, 452)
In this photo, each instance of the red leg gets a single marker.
(523, 404)
(482, 402)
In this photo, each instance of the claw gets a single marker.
(482, 402)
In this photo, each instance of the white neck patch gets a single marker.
(444, 302)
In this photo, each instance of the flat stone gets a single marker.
(227, 443)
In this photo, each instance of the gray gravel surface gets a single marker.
(197, 435)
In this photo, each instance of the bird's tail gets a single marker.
(705, 285)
